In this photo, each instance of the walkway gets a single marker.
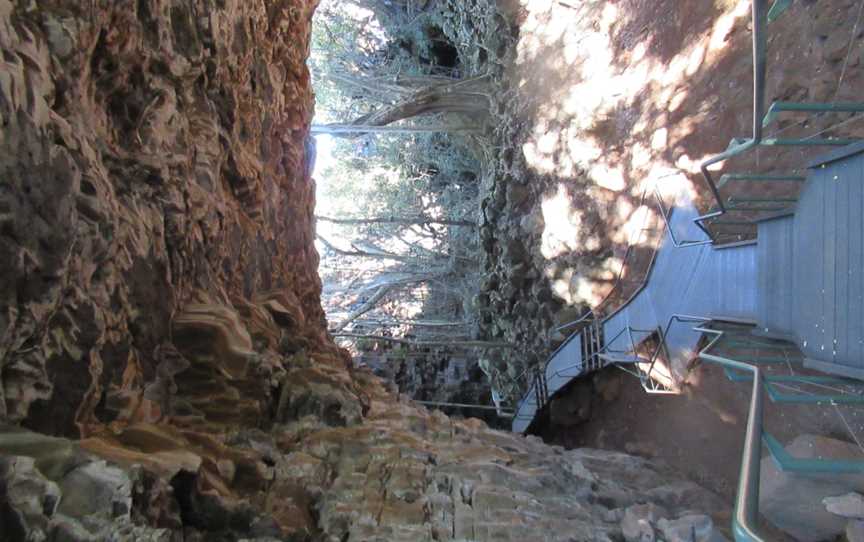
(702, 281)
(818, 296)
(803, 282)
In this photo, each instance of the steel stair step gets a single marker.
(786, 463)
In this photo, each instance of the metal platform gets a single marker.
(827, 292)
(803, 281)
(701, 280)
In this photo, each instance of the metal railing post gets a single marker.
(759, 64)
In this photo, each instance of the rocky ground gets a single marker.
(165, 368)
(400, 474)
(700, 433)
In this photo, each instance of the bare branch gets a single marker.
(361, 253)
(366, 307)
(356, 129)
(418, 220)
(467, 344)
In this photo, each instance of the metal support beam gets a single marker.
(779, 107)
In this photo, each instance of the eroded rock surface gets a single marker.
(152, 161)
(165, 371)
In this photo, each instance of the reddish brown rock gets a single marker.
(153, 160)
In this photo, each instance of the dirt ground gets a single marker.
(636, 93)
(699, 433)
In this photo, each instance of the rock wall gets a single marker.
(447, 378)
(164, 363)
(152, 158)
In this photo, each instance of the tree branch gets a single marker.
(361, 253)
(366, 307)
(356, 129)
(419, 220)
(478, 344)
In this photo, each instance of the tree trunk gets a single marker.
(419, 221)
(409, 342)
(467, 97)
(383, 288)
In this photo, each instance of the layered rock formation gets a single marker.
(164, 364)
(152, 160)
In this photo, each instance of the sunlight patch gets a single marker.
(563, 228)
(636, 223)
(536, 159)
(547, 143)
(573, 289)
(725, 23)
(586, 291)
(659, 139)
(561, 286)
(608, 177)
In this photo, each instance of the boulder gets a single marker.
(53, 456)
(325, 393)
(855, 531)
(850, 505)
(793, 502)
(27, 499)
(688, 528)
(638, 522)
(97, 492)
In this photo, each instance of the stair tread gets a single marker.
(776, 252)
(829, 279)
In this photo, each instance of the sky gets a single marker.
(324, 158)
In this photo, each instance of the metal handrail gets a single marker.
(582, 363)
(759, 15)
(593, 312)
(746, 517)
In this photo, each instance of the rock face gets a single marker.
(402, 474)
(165, 371)
(446, 378)
(152, 159)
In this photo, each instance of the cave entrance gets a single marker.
(442, 52)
